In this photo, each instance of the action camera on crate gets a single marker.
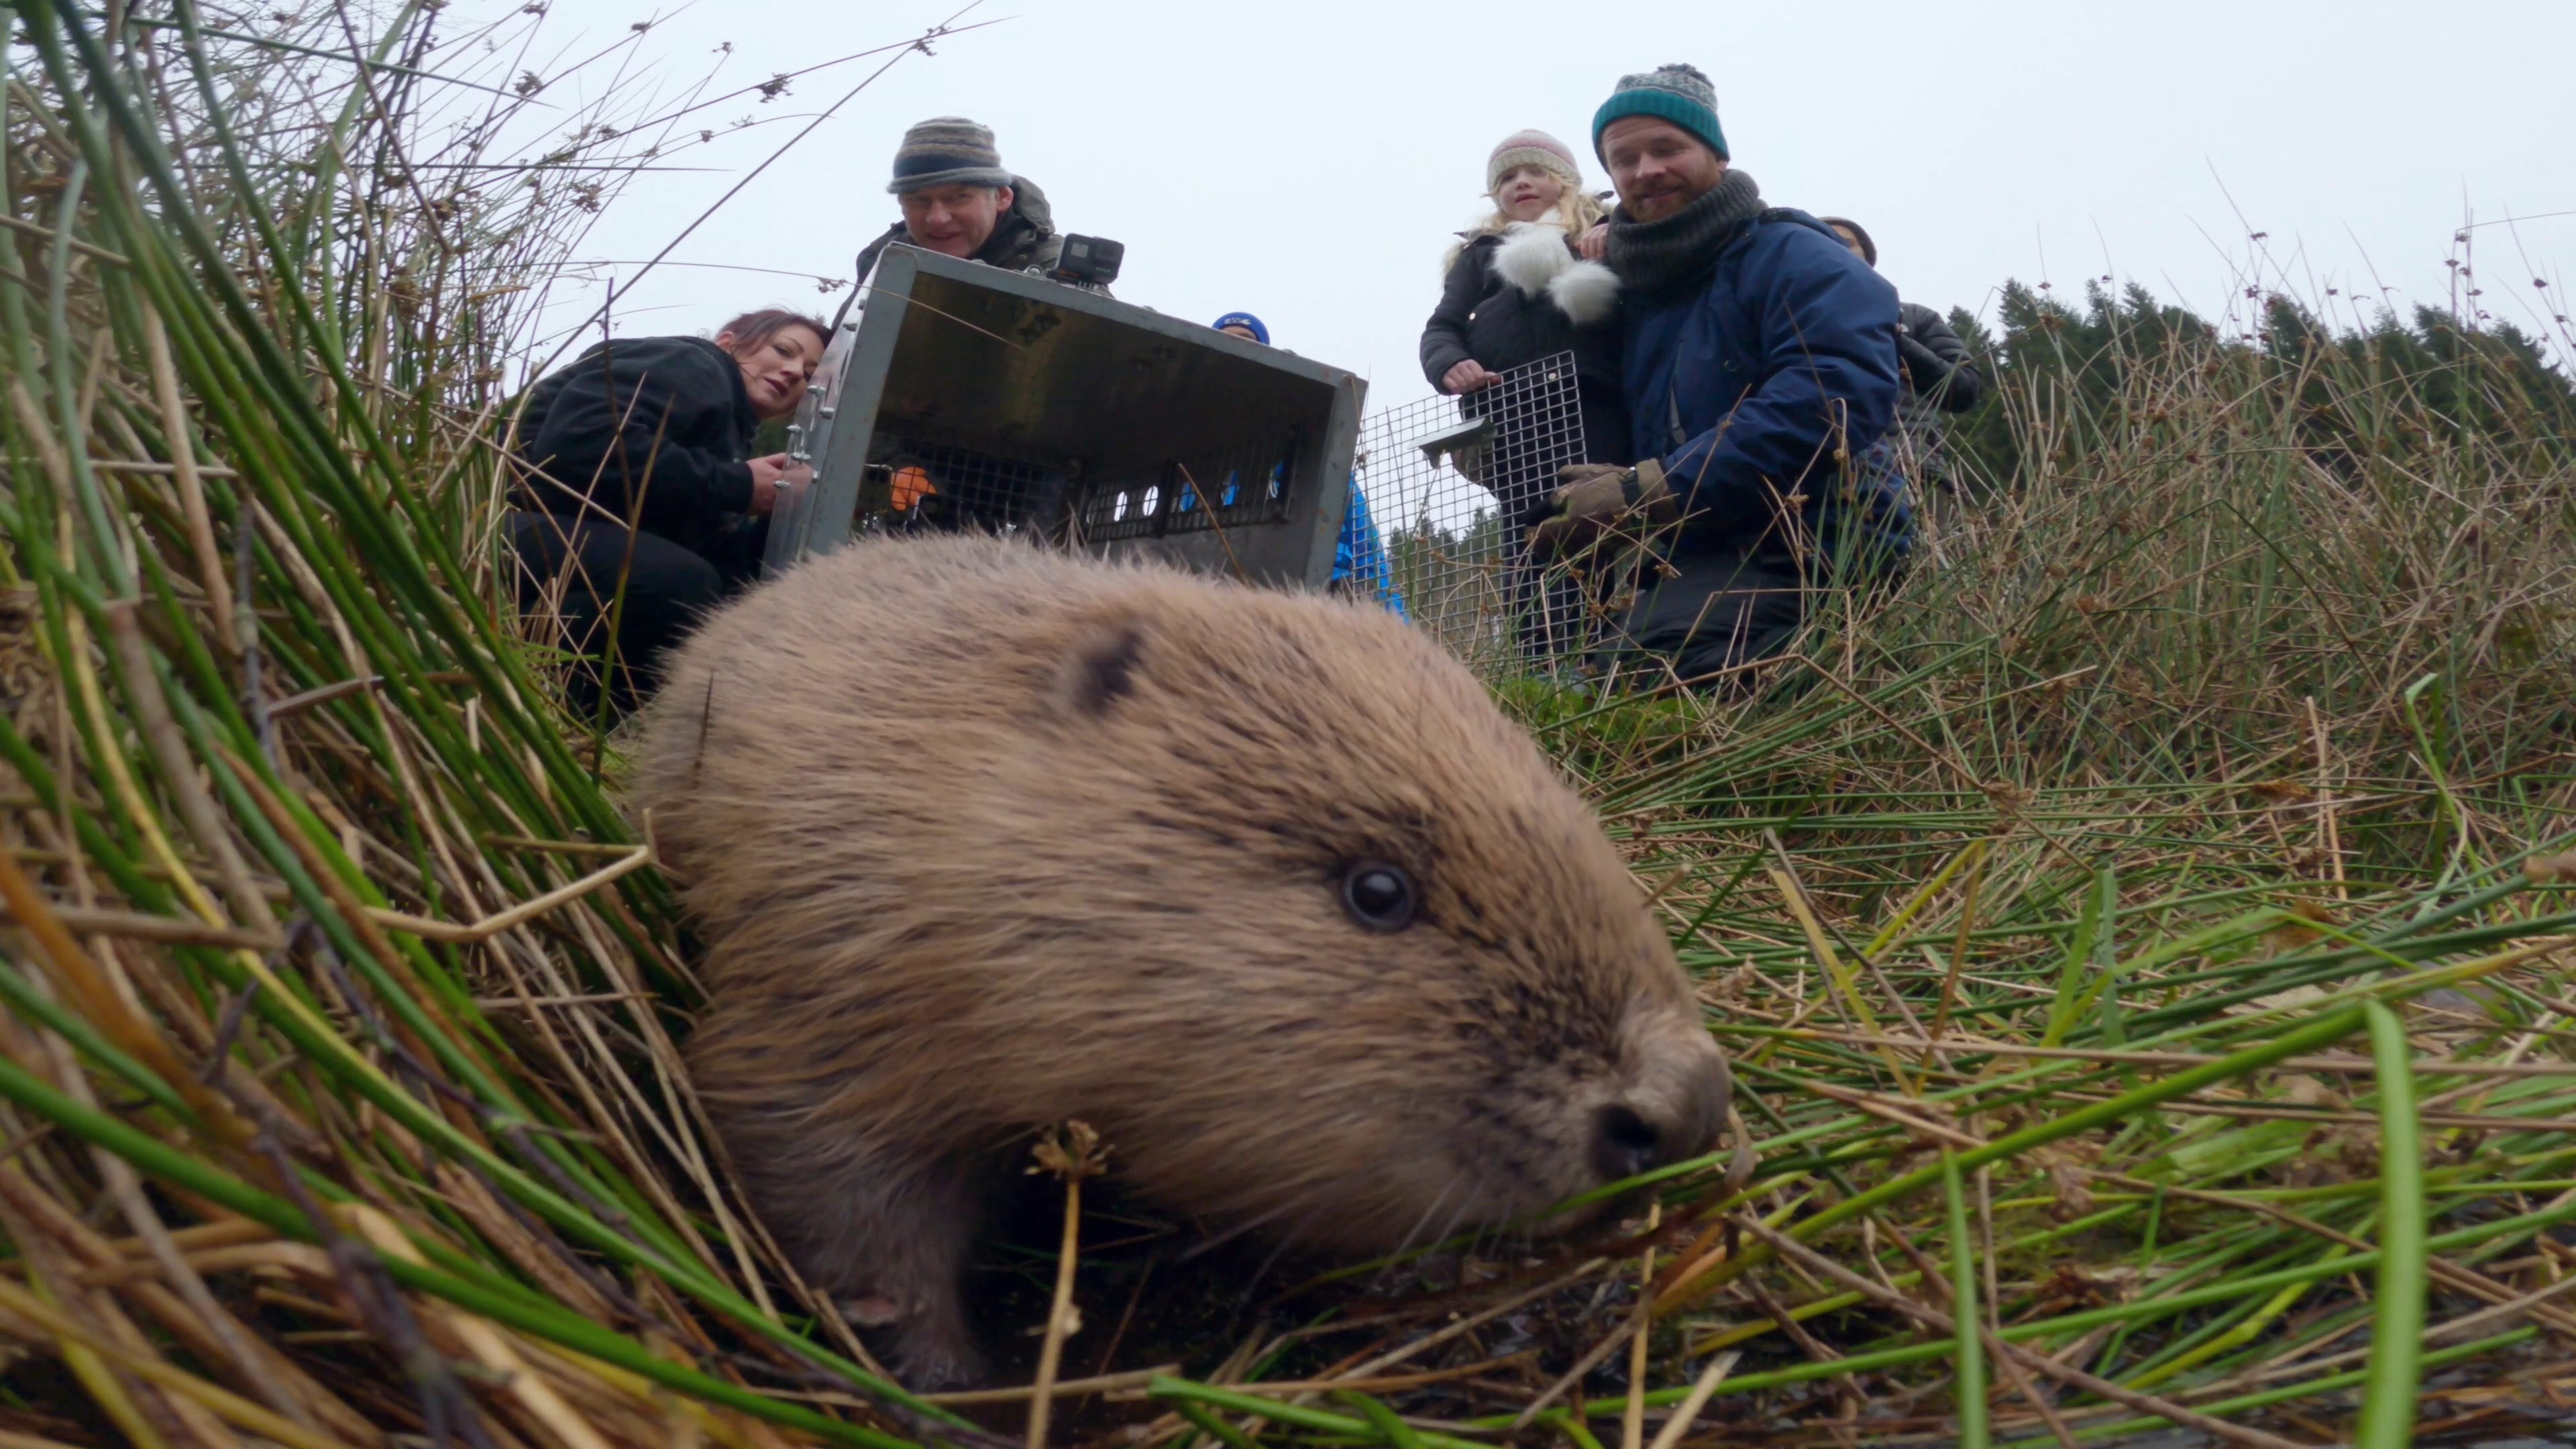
(1088, 261)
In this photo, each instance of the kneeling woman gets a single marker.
(635, 470)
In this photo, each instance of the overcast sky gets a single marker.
(1309, 161)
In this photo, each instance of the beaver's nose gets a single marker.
(1624, 1143)
(1639, 1136)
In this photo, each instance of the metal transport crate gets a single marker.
(962, 396)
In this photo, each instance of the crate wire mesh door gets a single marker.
(1452, 480)
(923, 480)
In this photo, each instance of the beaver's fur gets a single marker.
(982, 838)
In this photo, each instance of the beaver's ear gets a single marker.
(1100, 668)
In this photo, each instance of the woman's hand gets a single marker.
(766, 476)
(1594, 244)
(1468, 376)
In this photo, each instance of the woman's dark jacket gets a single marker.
(1937, 370)
(1482, 317)
(1939, 379)
(664, 417)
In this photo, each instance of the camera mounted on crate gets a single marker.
(1088, 261)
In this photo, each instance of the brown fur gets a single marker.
(982, 838)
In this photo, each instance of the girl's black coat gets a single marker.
(668, 416)
(1483, 317)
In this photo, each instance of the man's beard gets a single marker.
(1675, 245)
(1655, 206)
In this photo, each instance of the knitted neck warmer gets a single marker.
(1654, 256)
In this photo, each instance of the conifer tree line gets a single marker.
(2391, 390)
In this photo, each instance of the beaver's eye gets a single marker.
(1378, 895)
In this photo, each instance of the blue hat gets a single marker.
(1676, 93)
(1260, 333)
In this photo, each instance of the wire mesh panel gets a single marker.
(923, 479)
(1452, 480)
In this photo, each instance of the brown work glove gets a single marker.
(1594, 497)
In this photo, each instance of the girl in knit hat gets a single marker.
(1516, 292)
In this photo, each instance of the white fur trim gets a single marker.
(1531, 256)
(1585, 292)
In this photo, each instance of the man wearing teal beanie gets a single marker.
(1675, 93)
(1758, 362)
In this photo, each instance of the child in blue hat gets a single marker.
(1243, 325)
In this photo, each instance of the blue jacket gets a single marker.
(1359, 557)
(1737, 384)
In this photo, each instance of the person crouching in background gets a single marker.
(1939, 378)
(637, 498)
(959, 200)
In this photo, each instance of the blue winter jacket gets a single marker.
(1359, 555)
(1737, 386)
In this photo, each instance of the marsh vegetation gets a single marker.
(2143, 937)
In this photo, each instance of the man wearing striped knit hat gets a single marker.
(959, 200)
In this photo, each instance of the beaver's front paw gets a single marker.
(936, 1350)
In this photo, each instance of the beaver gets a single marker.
(1260, 884)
